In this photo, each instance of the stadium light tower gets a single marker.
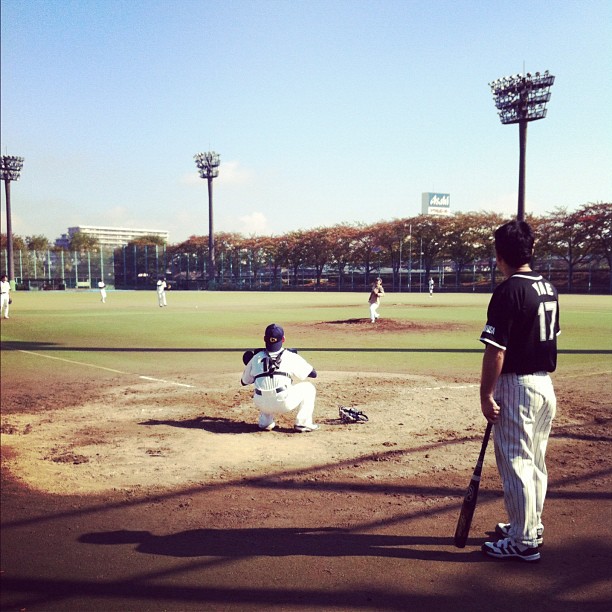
(521, 98)
(208, 166)
(10, 170)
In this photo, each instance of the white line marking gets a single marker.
(168, 382)
(564, 376)
(446, 388)
(91, 365)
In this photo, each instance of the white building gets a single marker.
(110, 236)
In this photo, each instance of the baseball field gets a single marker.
(135, 477)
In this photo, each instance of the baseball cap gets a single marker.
(274, 337)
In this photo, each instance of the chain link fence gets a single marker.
(139, 267)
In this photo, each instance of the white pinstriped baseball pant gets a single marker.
(528, 405)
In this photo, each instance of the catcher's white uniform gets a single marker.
(275, 392)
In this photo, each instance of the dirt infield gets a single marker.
(149, 436)
(155, 497)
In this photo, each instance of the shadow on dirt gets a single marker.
(212, 424)
(278, 542)
(220, 425)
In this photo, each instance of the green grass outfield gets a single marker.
(72, 334)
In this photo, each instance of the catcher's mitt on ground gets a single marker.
(350, 415)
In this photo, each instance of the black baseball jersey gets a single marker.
(523, 320)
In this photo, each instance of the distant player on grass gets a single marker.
(161, 292)
(5, 296)
(102, 288)
(376, 293)
(272, 370)
(516, 392)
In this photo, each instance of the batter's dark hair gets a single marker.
(514, 243)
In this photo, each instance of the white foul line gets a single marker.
(91, 365)
(446, 388)
(169, 382)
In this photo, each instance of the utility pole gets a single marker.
(208, 166)
(10, 170)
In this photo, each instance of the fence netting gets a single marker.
(139, 267)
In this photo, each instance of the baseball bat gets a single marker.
(469, 501)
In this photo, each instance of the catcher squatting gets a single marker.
(272, 369)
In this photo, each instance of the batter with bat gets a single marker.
(516, 392)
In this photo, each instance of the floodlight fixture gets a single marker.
(521, 99)
(208, 167)
(208, 164)
(10, 170)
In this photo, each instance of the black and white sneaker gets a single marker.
(507, 549)
(503, 531)
(306, 428)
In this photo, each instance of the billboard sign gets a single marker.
(435, 203)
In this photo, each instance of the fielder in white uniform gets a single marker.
(516, 392)
(161, 291)
(102, 288)
(5, 296)
(272, 370)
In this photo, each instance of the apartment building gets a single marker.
(110, 236)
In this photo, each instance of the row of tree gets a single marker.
(581, 237)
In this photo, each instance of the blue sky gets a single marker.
(323, 111)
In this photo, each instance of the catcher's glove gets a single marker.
(350, 415)
(249, 354)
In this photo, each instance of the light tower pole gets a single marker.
(208, 166)
(10, 170)
(520, 99)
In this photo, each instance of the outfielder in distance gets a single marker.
(272, 370)
(102, 287)
(516, 392)
(161, 292)
(5, 296)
